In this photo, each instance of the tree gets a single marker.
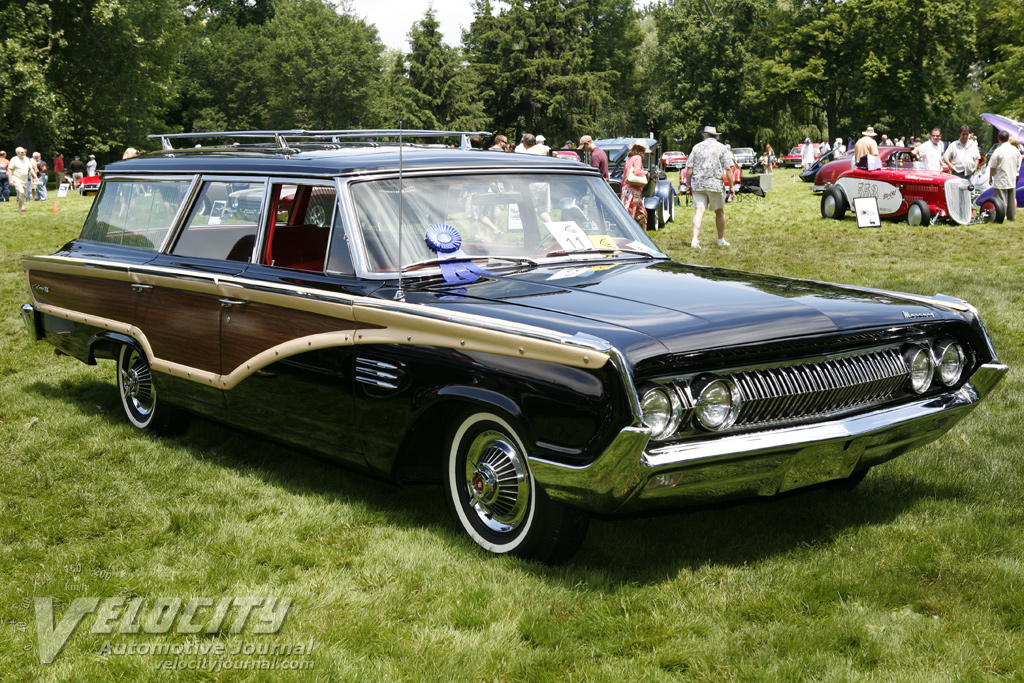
(533, 59)
(308, 66)
(710, 56)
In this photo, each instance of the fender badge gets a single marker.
(908, 314)
(40, 288)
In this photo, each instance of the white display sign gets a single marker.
(866, 209)
(570, 236)
(62, 191)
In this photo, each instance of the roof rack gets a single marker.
(281, 137)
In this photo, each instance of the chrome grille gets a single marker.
(828, 386)
(958, 201)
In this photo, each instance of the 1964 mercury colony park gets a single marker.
(495, 322)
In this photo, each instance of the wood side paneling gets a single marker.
(256, 327)
(182, 327)
(111, 299)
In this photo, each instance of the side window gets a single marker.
(223, 222)
(298, 225)
(132, 213)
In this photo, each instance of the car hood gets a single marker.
(652, 308)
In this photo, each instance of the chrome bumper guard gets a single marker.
(28, 314)
(631, 476)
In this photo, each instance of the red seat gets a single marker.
(303, 247)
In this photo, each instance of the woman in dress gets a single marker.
(634, 180)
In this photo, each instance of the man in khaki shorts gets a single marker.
(705, 168)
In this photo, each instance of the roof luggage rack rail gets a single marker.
(281, 138)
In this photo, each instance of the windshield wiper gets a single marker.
(572, 252)
(426, 263)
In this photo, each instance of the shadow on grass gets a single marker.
(644, 549)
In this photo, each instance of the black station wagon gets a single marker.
(494, 322)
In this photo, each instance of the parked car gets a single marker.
(795, 159)
(89, 185)
(566, 154)
(827, 173)
(495, 323)
(989, 193)
(659, 195)
(744, 156)
(826, 158)
(904, 192)
(673, 160)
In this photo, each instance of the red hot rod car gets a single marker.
(919, 196)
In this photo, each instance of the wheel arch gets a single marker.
(420, 455)
(105, 345)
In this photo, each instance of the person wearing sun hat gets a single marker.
(705, 170)
(866, 146)
(634, 181)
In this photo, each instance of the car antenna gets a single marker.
(400, 294)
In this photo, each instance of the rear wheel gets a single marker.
(918, 213)
(993, 210)
(496, 501)
(139, 399)
(833, 203)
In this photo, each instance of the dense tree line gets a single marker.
(98, 77)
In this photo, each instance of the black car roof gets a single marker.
(333, 162)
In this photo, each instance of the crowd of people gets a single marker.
(27, 176)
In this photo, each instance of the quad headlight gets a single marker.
(718, 404)
(949, 361)
(661, 411)
(921, 366)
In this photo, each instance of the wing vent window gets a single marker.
(378, 374)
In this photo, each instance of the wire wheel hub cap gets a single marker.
(496, 482)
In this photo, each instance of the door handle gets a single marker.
(141, 288)
(228, 303)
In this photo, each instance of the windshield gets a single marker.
(513, 218)
(614, 152)
(743, 150)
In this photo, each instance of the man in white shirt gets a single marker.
(90, 166)
(1003, 167)
(962, 158)
(929, 153)
(807, 154)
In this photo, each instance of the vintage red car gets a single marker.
(902, 191)
(827, 174)
(89, 185)
(676, 160)
(794, 158)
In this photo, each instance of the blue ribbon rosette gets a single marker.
(446, 242)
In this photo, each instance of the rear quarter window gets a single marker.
(133, 213)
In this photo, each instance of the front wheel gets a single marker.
(833, 203)
(496, 501)
(918, 213)
(138, 395)
(993, 210)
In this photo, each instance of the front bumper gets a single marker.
(629, 476)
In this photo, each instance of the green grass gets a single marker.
(916, 576)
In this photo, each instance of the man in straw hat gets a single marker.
(866, 146)
(705, 169)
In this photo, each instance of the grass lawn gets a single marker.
(917, 575)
